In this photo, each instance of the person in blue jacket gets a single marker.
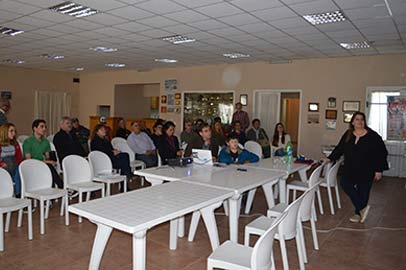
(233, 154)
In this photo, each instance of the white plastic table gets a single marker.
(287, 168)
(157, 175)
(237, 181)
(136, 211)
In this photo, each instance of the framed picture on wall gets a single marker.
(351, 106)
(313, 107)
(347, 117)
(331, 102)
(244, 100)
(163, 99)
(331, 114)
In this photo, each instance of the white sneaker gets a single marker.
(355, 218)
(364, 213)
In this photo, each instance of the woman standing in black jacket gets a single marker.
(364, 161)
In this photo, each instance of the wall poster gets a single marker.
(396, 129)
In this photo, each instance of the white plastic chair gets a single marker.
(255, 148)
(134, 163)
(288, 229)
(297, 185)
(238, 257)
(9, 204)
(58, 164)
(102, 169)
(36, 183)
(22, 138)
(306, 211)
(51, 138)
(116, 141)
(329, 181)
(78, 176)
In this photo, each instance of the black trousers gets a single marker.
(122, 162)
(149, 160)
(358, 192)
(56, 179)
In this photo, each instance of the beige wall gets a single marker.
(343, 78)
(24, 82)
(134, 100)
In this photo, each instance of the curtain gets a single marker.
(267, 109)
(52, 106)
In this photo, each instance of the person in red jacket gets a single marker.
(10, 154)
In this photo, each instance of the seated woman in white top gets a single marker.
(279, 140)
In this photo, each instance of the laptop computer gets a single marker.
(202, 157)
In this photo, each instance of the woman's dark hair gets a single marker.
(156, 125)
(275, 138)
(166, 126)
(351, 126)
(37, 122)
(236, 122)
(255, 120)
(96, 129)
(216, 119)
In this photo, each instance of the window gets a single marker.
(377, 108)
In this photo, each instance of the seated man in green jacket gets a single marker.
(204, 141)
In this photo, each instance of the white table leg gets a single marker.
(211, 226)
(1, 233)
(268, 191)
(282, 189)
(139, 250)
(250, 199)
(233, 217)
(102, 236)
(154, 181)
(193, 225)
(181, 227)
(173, 234)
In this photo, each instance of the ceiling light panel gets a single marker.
(10, 31)
(52, 56)
(103, 49)
(178, 39)
(13, 61)
(355, 45)
(236, 55)
(115, 65)
(327, 17)
(73, 9)
(166, 60)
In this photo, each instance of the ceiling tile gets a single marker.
(275, 13)
(289, 23)
(102, 5)
(225, 32)
(180, 29)
(366, 13)
(83, 24)
(34, 21)
(256, 4)
(130, 13)
(132, 27)
(52, 16)
(160, 6)
(313, 7)
(186, 16)
(62, 28)
(219, 10)
(239, 19)
(196, 3)
(155, 33)
(256, 27)
(6, 16)
(208, 25)
(110, 31)
(158, 22)
(350, 4)
(16, 7)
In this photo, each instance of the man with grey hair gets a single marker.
(4, 108)
(65, 142)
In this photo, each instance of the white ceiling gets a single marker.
(265, 29)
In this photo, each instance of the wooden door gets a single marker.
(292, 119)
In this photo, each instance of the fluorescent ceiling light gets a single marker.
(178, 39)
(236, 55)
(10, 31)
(165, 60)
(78, 68)
(323, 18)
(52, 56)
(115, 65)
(13, 61)
(73, 9)
(103, 49)
(355, 45)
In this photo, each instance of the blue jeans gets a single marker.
(17, 182)
(358, 192)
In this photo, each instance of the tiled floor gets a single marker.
(379, 244)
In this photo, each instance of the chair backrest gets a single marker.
(51, 138)
(159, 158)
(288, 225)
(35, 175)
(22, 138)
(100, 163)
(6, 184)
(315, 176)
(254, 147)
(76, 169)
(331, 176)
(240, 146)
(117, 140)
(58, 164)
(262, 252)
(124, 147)
(305, 210)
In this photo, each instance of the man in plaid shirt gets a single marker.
(241, 116)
